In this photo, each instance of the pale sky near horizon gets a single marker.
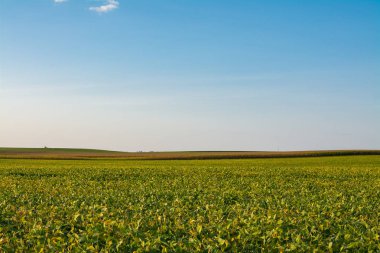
(190, 75)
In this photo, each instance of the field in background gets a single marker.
(61, 153)
(328, 204)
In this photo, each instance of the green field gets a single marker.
(326, 204)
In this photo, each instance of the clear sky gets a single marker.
(190, 75)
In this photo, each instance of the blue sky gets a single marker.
(190, 75)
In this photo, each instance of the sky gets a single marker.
(190, 75)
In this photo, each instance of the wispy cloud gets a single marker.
(59, 1)
(108, 5)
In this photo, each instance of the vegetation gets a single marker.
(64, 153)
(327, 204)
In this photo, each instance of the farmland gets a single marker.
(326, 204)
(64, 153)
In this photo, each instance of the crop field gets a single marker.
(64, 153)
(320, 204)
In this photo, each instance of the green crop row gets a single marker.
(329, 204)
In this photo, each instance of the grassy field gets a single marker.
(326, 204)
